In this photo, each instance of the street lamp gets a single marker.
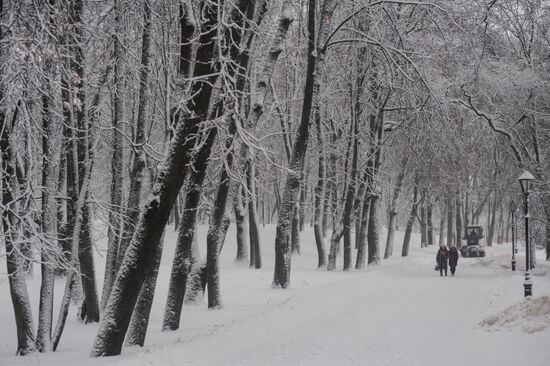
(526, 181)
(513, 209)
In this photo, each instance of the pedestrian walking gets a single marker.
(442, 258)
(453, 259)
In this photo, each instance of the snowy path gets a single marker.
(398, 313)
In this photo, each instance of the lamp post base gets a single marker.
(513, 264)
(527, 285)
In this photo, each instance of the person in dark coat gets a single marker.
(453, 259)
(441, 258)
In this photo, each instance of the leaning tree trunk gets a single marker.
(156, 211)
(215, 236)
(140, 316)
(281, 275)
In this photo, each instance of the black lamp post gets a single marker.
(526, 181)
(513, 210)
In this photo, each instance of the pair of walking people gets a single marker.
(445, 256)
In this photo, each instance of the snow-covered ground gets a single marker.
(398, 313)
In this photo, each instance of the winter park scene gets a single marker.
(275, 182)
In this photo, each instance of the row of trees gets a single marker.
(123, 117)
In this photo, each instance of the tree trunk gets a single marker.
(295, 230)
(50, 152)
(140, 316)
(450, 214)
(410, 221)
(374, 231)
(423, 227)
(138, 164)
(72, 278)
(242, 227)
(429, 217)
(442, 224)
(458, 215)
(253, 216)
(281, 276)
(363, 232)
(393, 208)
(154, 214)
(117, 158)
(318, 227)
(16, 277)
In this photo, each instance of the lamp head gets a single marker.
(526, 180)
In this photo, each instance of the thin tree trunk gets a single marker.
(442, 225)
(423, 227)
(117, 158)
(429, 217)
(458, 216)
(138, 165)
(318, 226)
(295, 230)
(72, 277)
(253, 216)
(410, 221)
(281, 275)
(393, 208)
(50, 153)
(450, 219)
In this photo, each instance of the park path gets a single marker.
(401, 313)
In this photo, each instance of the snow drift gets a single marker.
(531, 315)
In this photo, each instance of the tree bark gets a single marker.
(50, 152)
(138, 164)
(155, 213)
(374, 231)
(140, 316)
(242, 226)
(450, 219)
(318, 227)
(458, 215)
(410, 221)
(16, 277)
(117, 158)
(393, 209)
(253, 216)
(429, 217)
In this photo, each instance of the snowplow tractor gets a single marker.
(472, 235)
